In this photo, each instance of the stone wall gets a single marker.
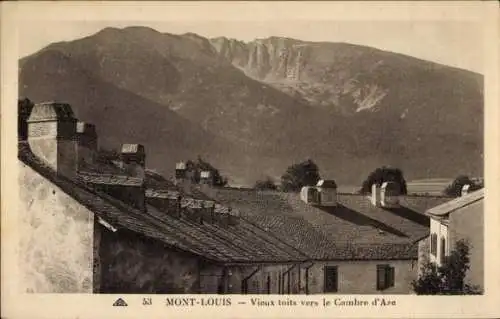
(57, 233)
(131, 263)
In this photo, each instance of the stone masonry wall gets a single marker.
(56, 247)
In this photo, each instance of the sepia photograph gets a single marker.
(250, 157)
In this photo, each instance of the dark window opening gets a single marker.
(331, 278)
(244, 287)
(385, 277)
(434, 244)
(268, 284)
(443, 249)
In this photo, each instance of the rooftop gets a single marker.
(455, 204)
(241, 243)
(355, 229)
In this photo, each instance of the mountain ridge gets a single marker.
(348, 113)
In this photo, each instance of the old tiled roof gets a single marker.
(355, 229)
(457, 203)
(240, 243)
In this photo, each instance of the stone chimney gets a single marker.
(133, 159)
(52, 136)
(86, 136)
(375, 195)
(465, 190)
(129, 186)
(389, 195)
(206, 178)
(180, 171)
(327, 192)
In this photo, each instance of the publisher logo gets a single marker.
(120, 303)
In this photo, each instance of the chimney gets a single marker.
(310, 195)
(327, 192)
(166, 201)
(86, 137)
(208, 210)
(180, 170)
(375, 196)
(389, 195)
(130, 187)
(133, 158)
(51, 136)
(206, 178)
(465, 190)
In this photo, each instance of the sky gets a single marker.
(447, 34)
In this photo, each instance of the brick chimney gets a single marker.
(52, 136)
(86, 136)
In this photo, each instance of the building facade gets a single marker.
(459, 219)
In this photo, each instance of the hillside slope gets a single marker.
(253, 109)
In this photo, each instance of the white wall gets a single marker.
(442, 231)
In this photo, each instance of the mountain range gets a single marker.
(254, 108)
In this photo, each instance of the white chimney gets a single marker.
(309, 195)
(389, 195)
(375, 195)
(327, 192)
(465, 190)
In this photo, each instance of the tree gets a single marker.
(384, 174)
(455, 188)
(266, 183)
(447, 279)
(106, 156)
(299, 175)
(195, 168)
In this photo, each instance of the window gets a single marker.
(434, 244)
(331, 279)
(385, 277)
(268, 284)
(443, 249)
